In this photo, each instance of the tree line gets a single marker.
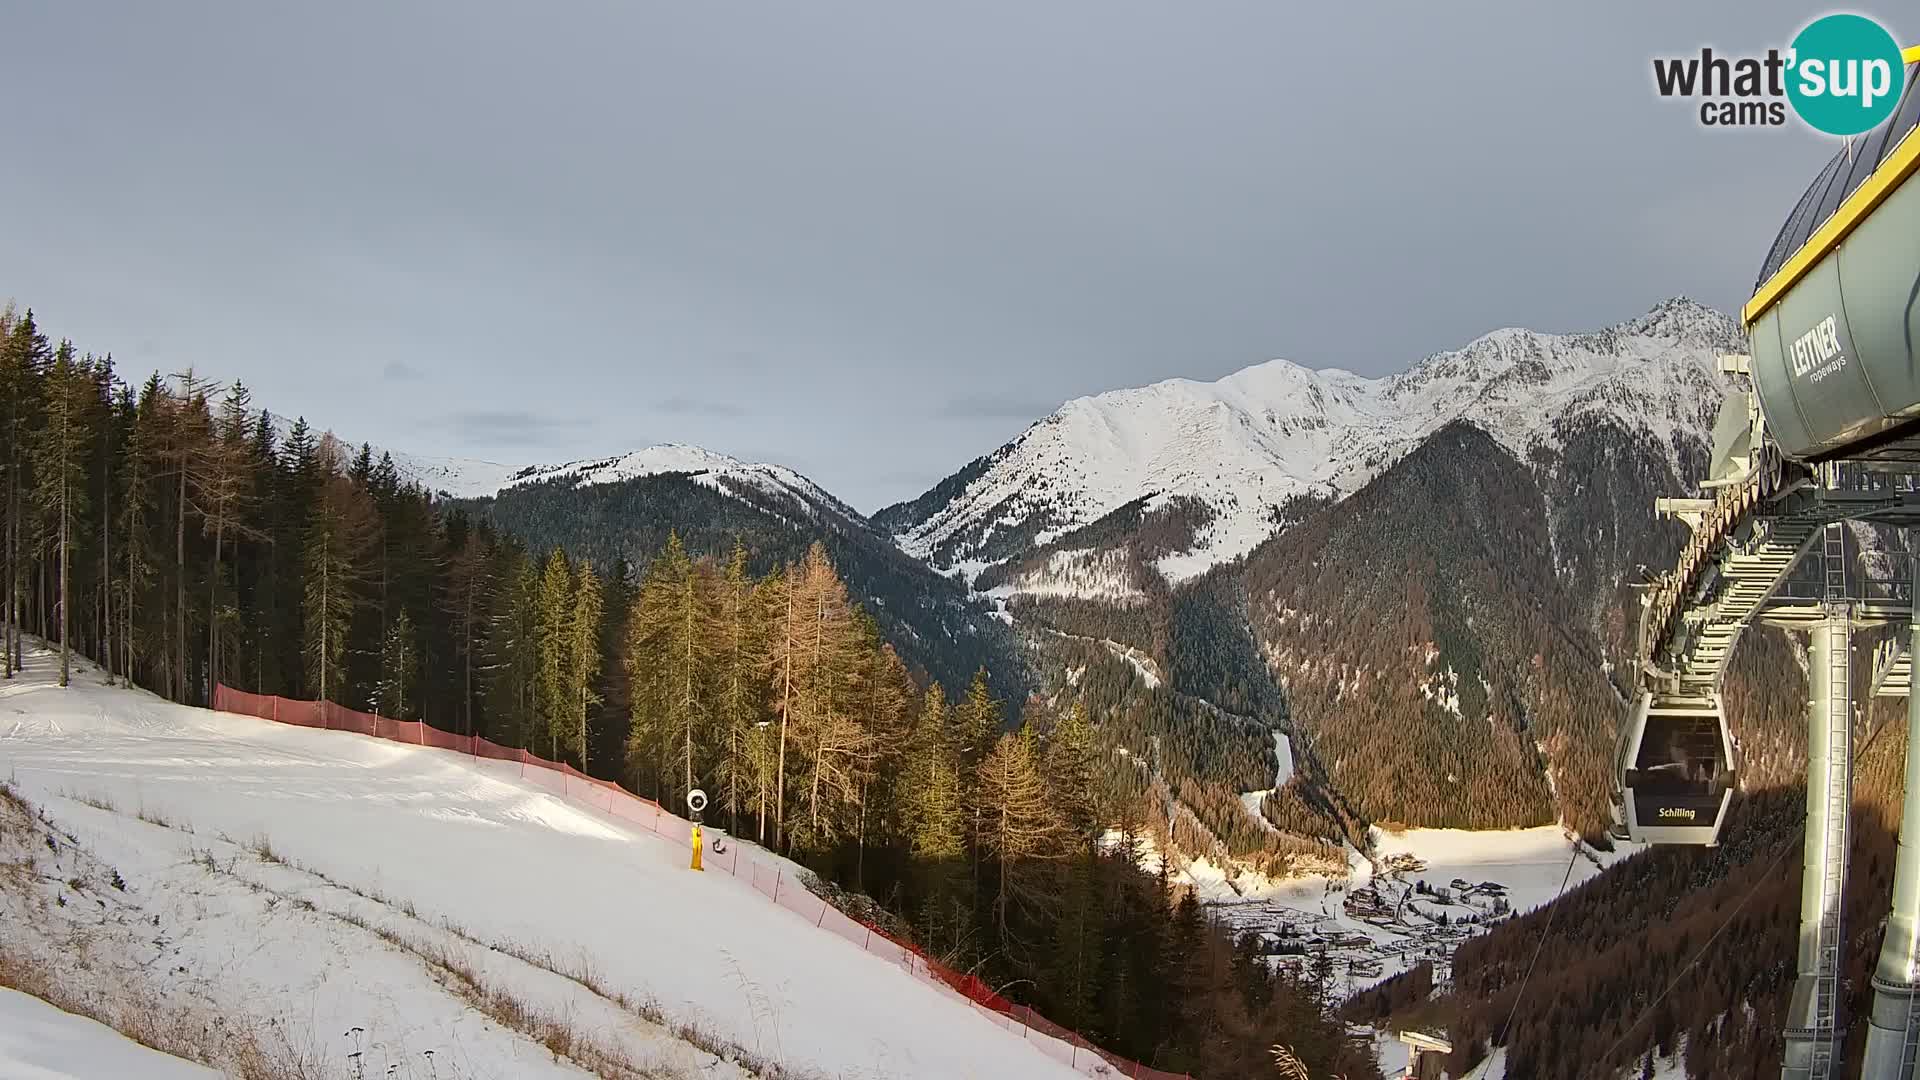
(182, 538)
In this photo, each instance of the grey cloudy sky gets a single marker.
(868, 240)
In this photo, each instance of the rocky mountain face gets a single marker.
(1238, 458)
(624, 507)
(1423, 578)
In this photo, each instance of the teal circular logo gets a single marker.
(1845, 75)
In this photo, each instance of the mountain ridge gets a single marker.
(1246, 443)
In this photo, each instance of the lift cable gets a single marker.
(1765, 876)
(1553, 910)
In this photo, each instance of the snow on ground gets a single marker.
(1374, 922)
(1392, 1054)
(1095, 573)
(1529, 863)
(1282, 753)
(41, 1042)
(1142, 663)
(437, 840)
(1283, 756)
(708, 468)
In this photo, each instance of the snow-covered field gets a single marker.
(342, 882)
(1398, 926)
(41, 1042)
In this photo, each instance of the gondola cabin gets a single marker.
(1676, 772)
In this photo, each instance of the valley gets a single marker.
(1353, 688)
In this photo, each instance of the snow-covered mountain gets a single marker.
(1244, 445)
(725, 474)
(476, 478)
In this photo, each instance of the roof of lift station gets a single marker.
(1855, 182)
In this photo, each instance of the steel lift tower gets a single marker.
(1826, 433)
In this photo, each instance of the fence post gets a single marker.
(776, 885)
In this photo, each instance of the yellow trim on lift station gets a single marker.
(1885, 180)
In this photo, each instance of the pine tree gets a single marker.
(188, 432)
(1072, 768)
(883, 715)
(1073, 968)
(340, 534)
(513, 651)
(469, 599)
(976, 721)
(739, 687)
(221, 472)
(1018, 825)
(830, 741)
(583, 658)
(553, 703)
(399, 670)
(22, 363)
(937, 823)
(669, 646)
(145, 447)
(60, 477)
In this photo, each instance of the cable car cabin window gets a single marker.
(1679, 756)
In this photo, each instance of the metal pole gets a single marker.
(1813, 1026)
(1893, 1030)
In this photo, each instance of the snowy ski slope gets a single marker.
(40, 1042)
(445, 839)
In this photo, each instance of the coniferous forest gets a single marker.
(171, 531)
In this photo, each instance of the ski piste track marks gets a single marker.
(542, 872)
(1066, 1047)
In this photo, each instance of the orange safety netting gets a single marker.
(1064, 1046)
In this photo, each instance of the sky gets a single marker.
(867, 240)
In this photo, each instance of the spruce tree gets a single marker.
(739, 686)
(1072, 768)
(583, 659)
(469, 599)
(513, 653)
(553, 701)
(23, 361)
(668, 657)
(399, 670)
(340, 534)
(60, 477)
(937, 824)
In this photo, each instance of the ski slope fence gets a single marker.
(563, 780)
